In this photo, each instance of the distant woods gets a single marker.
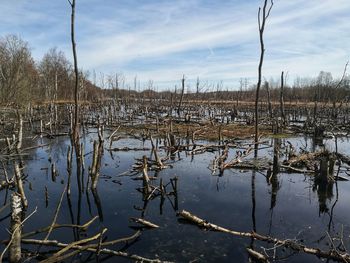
(52, 79)
(23, 80)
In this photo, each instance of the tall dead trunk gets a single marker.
(75, 132)
(269, 101)
(197, 88)
(283, 116)
(182, 94)
(20, 131)
(261, 22)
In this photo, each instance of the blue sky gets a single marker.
(215, 40)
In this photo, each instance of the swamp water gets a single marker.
(241, 200)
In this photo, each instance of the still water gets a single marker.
(241, 200)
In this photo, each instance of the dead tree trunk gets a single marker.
(96, 163)
(182, 94)
(283, 116)
(20, 131)
(261, 22)
(19, 183)
(197, 88)
(15, 253)
(75, 132)
(269, 101)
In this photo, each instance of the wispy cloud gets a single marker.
(215, 40)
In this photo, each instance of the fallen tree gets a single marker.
(287, 243)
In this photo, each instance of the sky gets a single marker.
(160, 40)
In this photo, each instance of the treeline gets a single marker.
(23, 80)
(323, 88)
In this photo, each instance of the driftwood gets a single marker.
(126, 149)
(294, 245)
(56, 226)
(238, 159)
(319, 163)
(78, 248)
(59, 256)
(257, 256)
(292, 169)
(144, 222)
(303, 159)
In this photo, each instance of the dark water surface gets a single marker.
(288, 208)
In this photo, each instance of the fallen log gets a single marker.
(292, 169)
(144, 222)
(331, 254)
(94, 248)
(302, 159)
(257, 256)
(59, 255)
(125, 149)
(55, 226)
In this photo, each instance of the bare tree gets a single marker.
(283, 116)
(54, 69)
(75, 132)
(182, 94)
(268, 93)
(17, 71)
(262, 17)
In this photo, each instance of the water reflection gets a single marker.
(248, 201)
(98, 203)
(324, 193)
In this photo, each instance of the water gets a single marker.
(288, 208)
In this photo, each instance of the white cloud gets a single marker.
(163, 40)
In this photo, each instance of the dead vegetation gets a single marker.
(196, 130)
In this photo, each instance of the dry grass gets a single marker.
(205, 131)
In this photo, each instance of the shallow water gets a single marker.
(288, 208)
